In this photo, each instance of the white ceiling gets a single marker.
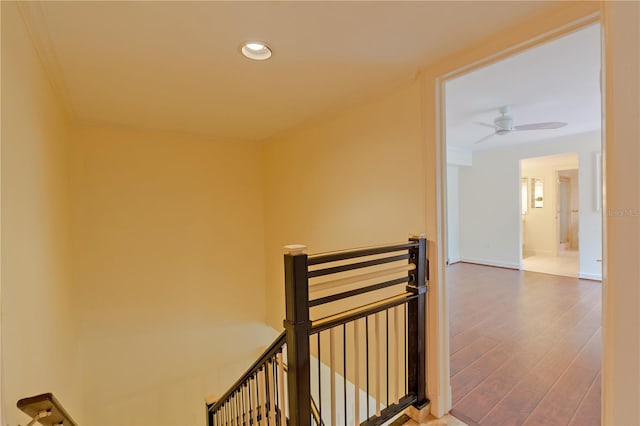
(557, 81)
(176, 65)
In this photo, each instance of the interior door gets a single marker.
(564, 208)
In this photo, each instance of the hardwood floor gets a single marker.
(525, 347)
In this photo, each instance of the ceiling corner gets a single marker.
(34, 20)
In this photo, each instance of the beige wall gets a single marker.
(355, 178)
(38, 350)
(168, 248)
(314, 196)
(621, 351)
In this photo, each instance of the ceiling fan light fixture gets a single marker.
(503, 124)
(256, 50)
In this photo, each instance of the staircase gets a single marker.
(353, 348)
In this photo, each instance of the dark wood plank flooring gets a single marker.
(525, 347)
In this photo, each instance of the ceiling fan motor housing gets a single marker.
(504, 124)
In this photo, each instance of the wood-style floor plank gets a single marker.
(588, 413)
(562, 401)
(525, 347)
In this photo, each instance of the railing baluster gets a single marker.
(267, 398)
(377, 360)
(356, 371)
(274, 385)
(332, 369)
(261, 399)
(270, 387)
(233, 410)
(366, 347)
(244, 406)
(344, 370)
(396, 359)
(276, 390)
(283, 418)
(238, 414)
(386, 358)
(404, 348)
(255, 400)
(319, 377)
(249, 404)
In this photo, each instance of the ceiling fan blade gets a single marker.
(541, 126)
(493, 126)
(484, 139)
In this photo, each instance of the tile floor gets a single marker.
(566, 263)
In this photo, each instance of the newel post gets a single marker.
(297, 325)
(417, 372)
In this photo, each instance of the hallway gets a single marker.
(566, 263)
(525, 347)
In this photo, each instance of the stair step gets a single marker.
(400, 420)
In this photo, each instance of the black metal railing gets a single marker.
(367, 342)
(353, 349)
(258, 396)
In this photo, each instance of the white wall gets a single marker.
(489, 209)
(453, 214)
(38, 333)
(168, 248)
(490, 203)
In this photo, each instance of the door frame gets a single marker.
(541, 29)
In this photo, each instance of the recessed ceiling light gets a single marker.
(256, 50)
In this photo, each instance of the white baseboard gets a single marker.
(595, 277)
(492, 263)
(453, 260)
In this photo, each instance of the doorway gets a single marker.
(568, 210)
(551, 214)
(504, 320)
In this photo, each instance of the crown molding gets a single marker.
(34, 20)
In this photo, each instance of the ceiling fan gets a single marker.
(504, 124)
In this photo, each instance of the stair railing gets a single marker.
(258, 396)
(353, 349)
(369, 331)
